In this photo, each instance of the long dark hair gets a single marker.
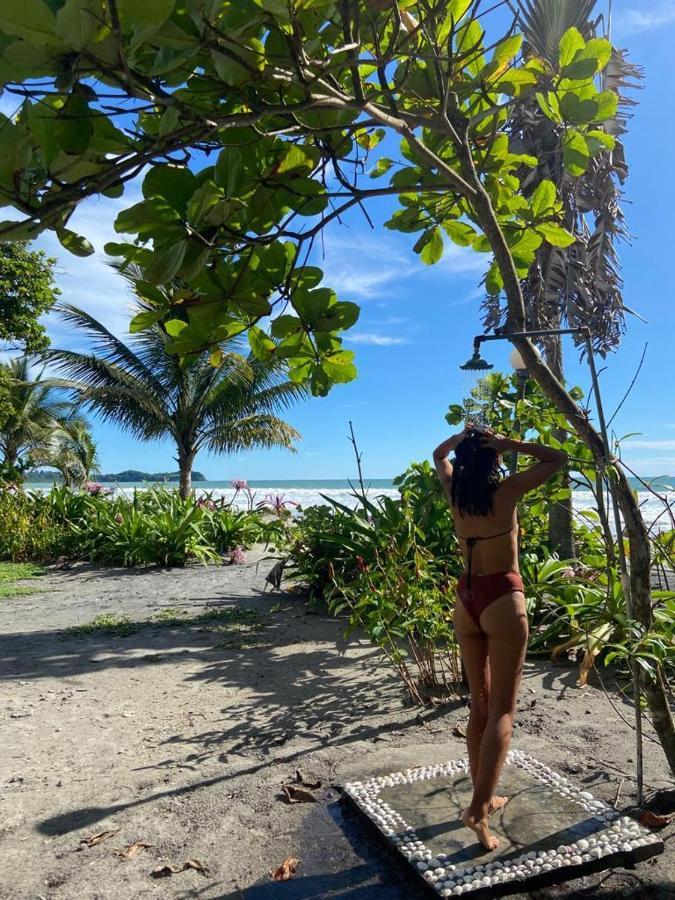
(475, 475)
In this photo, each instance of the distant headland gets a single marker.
(43, 475)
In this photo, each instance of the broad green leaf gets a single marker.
(174, 327)
(78, 22)
(600, 140)
(549, 105)
(339, 367)
(143, 17)
(459, 232)
(381, 166)
(507, 49)
(230, 172)
(145, 319)
(608, 102)
(339, 316)
(369, 139)
(296, 157)
(284, 325)
(576, 111)
(261, 344)
(165, 263)
(543, 198)
(570, 44)
(73, 126)
(75, 243)
(430, 246)
(176, 184)
(29, 19)
(575, 152)
(555, 234)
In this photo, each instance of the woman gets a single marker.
(490, 617)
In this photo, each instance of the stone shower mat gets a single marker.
(550, 831)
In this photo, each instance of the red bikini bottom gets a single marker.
(478, 592)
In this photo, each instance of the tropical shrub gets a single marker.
(150, 527)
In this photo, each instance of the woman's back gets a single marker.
(490, 540)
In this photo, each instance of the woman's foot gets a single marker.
(480, 827)
(496, 804)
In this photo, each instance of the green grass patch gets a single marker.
(237, 624)
(106, 623)
(11, 572)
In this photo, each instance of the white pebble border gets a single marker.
(619, 834)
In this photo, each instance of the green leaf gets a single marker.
(29, 19)
(543, 198)
(460, 232)
(73, 126)
(143, 18)
(507, 49)
(261, 345)
(598, 141)
(607, 102)
(381, 166)
(570, 44)
(296, 157)
(556, 234)
(284, 325)
(174, 327)
(176, 184)
(430, 246)
(166, 263)
(230, 172)
(575, 152)
(577, 111)
(339, 367)
(78, 22)
(75, 243)
(145, 319)
(549, 105)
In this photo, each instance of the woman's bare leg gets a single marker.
(505, 623)
(474, 648)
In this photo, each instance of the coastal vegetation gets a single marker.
(297, 108)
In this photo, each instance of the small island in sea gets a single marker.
(45, 475)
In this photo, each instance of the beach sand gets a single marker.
(180, 737)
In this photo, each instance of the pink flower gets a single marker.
(94, 488)
(237, 557)
(119, 518)
(239, 484)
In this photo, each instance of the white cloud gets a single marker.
(650, 445)
(646, 18)
(368, 266)
(377, 340)
(89, 282)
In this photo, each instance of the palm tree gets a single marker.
(580, 285)
(35, 411)
(155, 394)
(73, 452)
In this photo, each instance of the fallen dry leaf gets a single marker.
(165, 870)
(132, 849)
(293, 794)
(286, 870)
(96, 838)
(310, 785)
(653, 820)
(458, 731)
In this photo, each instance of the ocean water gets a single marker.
(299, 494)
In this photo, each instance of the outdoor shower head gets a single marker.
(476, 363)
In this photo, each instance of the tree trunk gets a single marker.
(185, 461)
(639, 550)
(560, 531)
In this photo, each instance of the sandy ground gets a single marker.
(180, 736)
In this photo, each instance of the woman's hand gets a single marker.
(497, 441)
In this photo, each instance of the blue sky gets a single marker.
(417, 322)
